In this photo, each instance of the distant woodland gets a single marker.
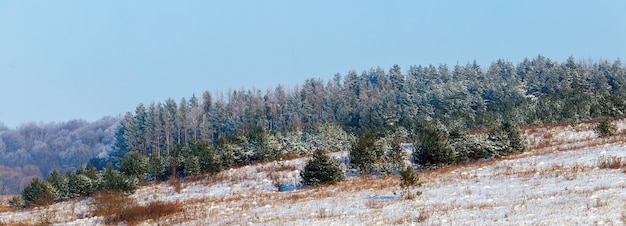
(243, 126)
(34, 150)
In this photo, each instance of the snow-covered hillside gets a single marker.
(568, 177)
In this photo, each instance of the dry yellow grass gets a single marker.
(117, 208)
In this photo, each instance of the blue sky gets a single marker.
(62, 60)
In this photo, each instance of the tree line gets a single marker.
(467, 97)
(377, 152)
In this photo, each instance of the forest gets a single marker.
(217, 130)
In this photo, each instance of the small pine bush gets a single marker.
(60, 183)
(433, 149)
(364, 153)
(80, 185)
(606, 128)
(192, 166)
(135, 165)
(321, 169)
(408, 181)
(393, 160)
(157, 167)
(509, 138)
(16, 202)
(118, 182)
(38, 193)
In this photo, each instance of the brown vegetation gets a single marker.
(117, 208)
(4, 203)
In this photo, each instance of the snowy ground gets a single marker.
(561, 181)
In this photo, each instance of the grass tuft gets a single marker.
(610, 162)
(373, 204)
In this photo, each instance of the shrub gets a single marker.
(38, 193)
(606, 128)
(321, 169)
(610, 162)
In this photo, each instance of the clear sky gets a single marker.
(62, 60)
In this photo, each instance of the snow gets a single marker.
(557, 182)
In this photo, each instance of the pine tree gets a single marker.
(408, 181)
(474, 147)
(134, 165)
(364, 154)
(192, 166)
(225, 152)
(208, 158)
(16, 202)
(92, 173)
(606, 128)
(182, 118)
(509, 138)
(156, 167)
(258, 141)
(433, 149)
(38, 193)
(112, 180)
(80, 185)
(321, 169)
(59, 183)
(393, 160)
(124, 138)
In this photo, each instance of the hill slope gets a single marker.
(567, 177)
